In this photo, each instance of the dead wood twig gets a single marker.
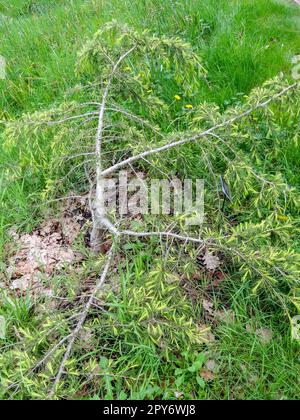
(81, 322)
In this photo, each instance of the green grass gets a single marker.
(242, 43)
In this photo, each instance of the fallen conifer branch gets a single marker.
(192, 139)
(81, 322)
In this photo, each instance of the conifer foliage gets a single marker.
(120, 116)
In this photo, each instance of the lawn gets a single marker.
(141, 341)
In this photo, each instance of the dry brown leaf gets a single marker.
(252, 379)
(205, 331)
(178, 394)
(227, 316)
(265, 335)
(207, 375)
(208, 306)
(86, 338)
(211, 261)
(249, 328)
(211, 365)
(13, 234)
(105, 246)
(70, 229)
(45, 250)
(22, 283)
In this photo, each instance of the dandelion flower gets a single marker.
(177, 97)
(189, 106)
(282, 218)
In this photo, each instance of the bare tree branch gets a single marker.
(161, 234)
(80, 323)
(99, 211)
(207, 132)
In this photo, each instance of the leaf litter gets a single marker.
(35, 257)
(211, 261)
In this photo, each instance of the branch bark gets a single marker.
(192, 139)
(163, 234)
(80, 324)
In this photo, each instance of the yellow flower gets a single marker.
(177, 97)
(282, 218)
(189, 106)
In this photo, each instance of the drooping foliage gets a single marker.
(255, 233)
